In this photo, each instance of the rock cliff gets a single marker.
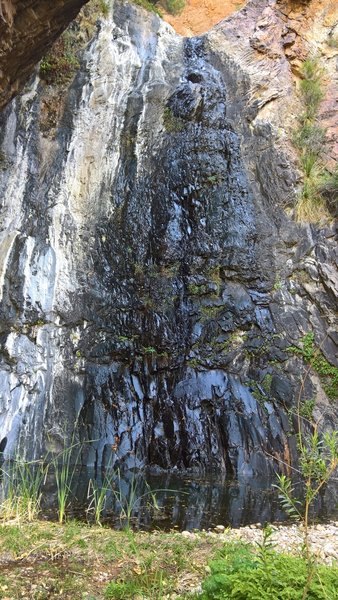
(155, 288)
(28, 28)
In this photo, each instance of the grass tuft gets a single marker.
(310, 140)
(21, 486)
(328, 189)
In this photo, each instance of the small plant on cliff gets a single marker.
(148, 5)
(172, 123)
(174, 7)
(61, 63)
(310, 139)
(328, 188)
(317, 362)
(311, 88)
(104, 7)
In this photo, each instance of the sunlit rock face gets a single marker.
(151, 280)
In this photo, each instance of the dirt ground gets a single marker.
(42, 561)
(199, 16)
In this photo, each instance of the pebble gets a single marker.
(289, 538)
(188, 534)
(323, 539)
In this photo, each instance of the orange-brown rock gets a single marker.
(28, 28)
(269, 42)
(199, 16)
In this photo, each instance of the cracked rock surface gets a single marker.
(152, 279)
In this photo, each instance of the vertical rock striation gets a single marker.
(151, 280)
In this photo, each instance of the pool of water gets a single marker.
(168, 501)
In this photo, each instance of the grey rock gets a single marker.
(139, 253)
(281, 390)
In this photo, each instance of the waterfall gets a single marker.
(140, 249)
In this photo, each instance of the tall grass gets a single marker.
(97, 494)
(21, 486)
(310, 139)
(65, 466)
(128, 502)
(22, 489)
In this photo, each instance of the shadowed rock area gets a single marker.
(152, 278)
(28, 28)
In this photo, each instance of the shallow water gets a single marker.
(169, 501)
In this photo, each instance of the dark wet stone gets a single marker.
(145, 288)
(281, 390)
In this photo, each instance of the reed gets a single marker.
(22, 483)
(129, 502)
(65, 465)
(97, 495)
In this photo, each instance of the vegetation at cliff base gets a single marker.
(243, 572)
(74, 561)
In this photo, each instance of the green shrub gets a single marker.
(104, 7)
(174, 7)
(150, 6)
(239, 572)
(311, 69)
(306, 409)
(311, 87)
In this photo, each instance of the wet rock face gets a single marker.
(151, 283)
(28, 28)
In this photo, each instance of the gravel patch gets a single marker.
(286, 538)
